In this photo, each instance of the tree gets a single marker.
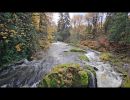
(95, 22)
(77, 23)
(63, 27)
(67, 26)
(43, 24)
(88, 18)
(60, 23)
(108, 22)
(120, 31)
(17, 37)
(51, 26)
(21, 35)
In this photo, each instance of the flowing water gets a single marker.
(106, 76)
(29, 73)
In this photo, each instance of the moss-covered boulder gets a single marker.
(84, 58)
(77, 50)
(66, 75)
(105, 56)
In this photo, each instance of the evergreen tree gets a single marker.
(67, 26)
(63, 27)
(108, 22)
(119, 28)
(60, 22)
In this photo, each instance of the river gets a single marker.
(29, 73)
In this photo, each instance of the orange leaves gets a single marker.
(90, 43)
(7, 33)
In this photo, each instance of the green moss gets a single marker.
(91, 69)
(77, 50)
(52, 80)
(83, 57)
(105, 56)
(66, 65)
(84, 77)
(66, 75)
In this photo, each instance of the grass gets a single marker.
(77, 50)
(83, 57)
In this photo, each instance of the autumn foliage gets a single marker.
(102, 44)
(20, 36)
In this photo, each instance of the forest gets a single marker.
(83, 50)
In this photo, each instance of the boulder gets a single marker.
(66, 75)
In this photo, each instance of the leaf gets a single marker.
(18, 47)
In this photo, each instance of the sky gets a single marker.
(56, 16)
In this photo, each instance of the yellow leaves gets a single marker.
(4, 37)
(13, 32)
(36, 20)
(18, 47)
(3, 33)
(44, 43)
(8, 33)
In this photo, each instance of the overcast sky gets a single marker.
(56, 16)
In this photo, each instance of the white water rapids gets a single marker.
(106, 76)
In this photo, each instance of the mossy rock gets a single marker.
(84, 76)
(66, 75)
(77, 50)
(84, 58)
(105, 56)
